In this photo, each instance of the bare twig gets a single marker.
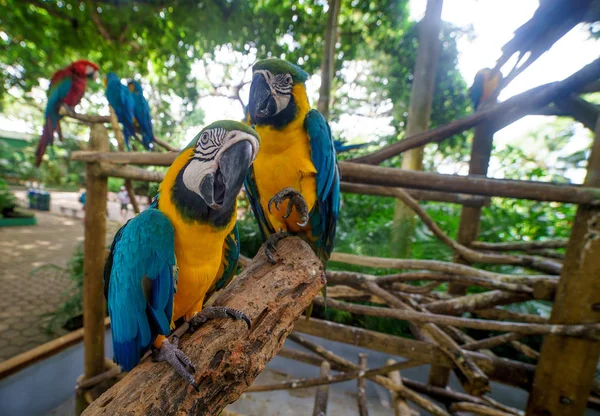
(591, 331)
(491, 342)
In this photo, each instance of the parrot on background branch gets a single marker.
(296, 168)
(67, 87)
(141, 113)
(168, 260)
(120, 99)
(485, 83)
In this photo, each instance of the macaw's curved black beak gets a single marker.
(261, 103)
(220, 189)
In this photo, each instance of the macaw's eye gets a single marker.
(288, 79)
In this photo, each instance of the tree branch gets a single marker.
(227, 357)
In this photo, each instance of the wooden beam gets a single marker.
(509, 110)
(93, 261)
(375, 175)
(420, 195)
(567, 366)
(227, 356)
(537, 191)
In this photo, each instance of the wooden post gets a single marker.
(470, 218)
(322, 395)
(361, 387)
(328, 65)
(566, 367)
(419, 113)
(93, 262)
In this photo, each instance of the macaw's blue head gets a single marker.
(272, 101)
(218, 159)
(134, 86)
(111, 77)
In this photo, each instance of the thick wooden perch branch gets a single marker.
(227, 357)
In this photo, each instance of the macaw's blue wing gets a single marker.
(340, 147)
(229, 262)
(323, 216)
(142, 115)
(56, 96)
(266, 229)
(139, 284)
(121, 100)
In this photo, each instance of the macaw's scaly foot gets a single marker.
(271, 244)
(213, 312)
(296, 200)
(170, 353)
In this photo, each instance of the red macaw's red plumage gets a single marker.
(67, 87)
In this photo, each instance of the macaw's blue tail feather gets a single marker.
(127, 354)
(341, 148)
(46, 140)
(147, 139)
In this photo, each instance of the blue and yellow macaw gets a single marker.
(485, 83)
(167, 261)
(121, 100)
(296, 167)
(141, 113)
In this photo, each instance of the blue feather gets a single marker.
(340, 147)
(143, 248)
(142, 114)
(121, 100)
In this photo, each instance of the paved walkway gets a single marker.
(33, 278)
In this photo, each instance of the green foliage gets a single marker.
(73, 306)
(114, 184)
(7, 199)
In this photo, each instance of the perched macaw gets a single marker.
(296, 167)
(141, 112)
(67, 87)
(340, 147)
(484, 85)
(121, 100)
(167, 261)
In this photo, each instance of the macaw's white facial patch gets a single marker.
(196, 171)
(280, 86)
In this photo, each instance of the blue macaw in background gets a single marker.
(340, 147)
(141, 114)
(121, 100)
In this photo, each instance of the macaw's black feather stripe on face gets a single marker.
(209, 143)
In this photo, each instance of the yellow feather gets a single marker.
(284, 161)
(198, 247)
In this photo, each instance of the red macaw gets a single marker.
(67, 87)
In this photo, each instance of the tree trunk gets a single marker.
(328, 65)
(419, 113)
(227, 357)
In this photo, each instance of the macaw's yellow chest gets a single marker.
(199, 253)
(283, 161)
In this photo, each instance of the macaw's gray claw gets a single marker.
(213, 312)
(296, 200)
(180, 362)
(271, 244)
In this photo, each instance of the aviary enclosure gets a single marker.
(273, 296)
